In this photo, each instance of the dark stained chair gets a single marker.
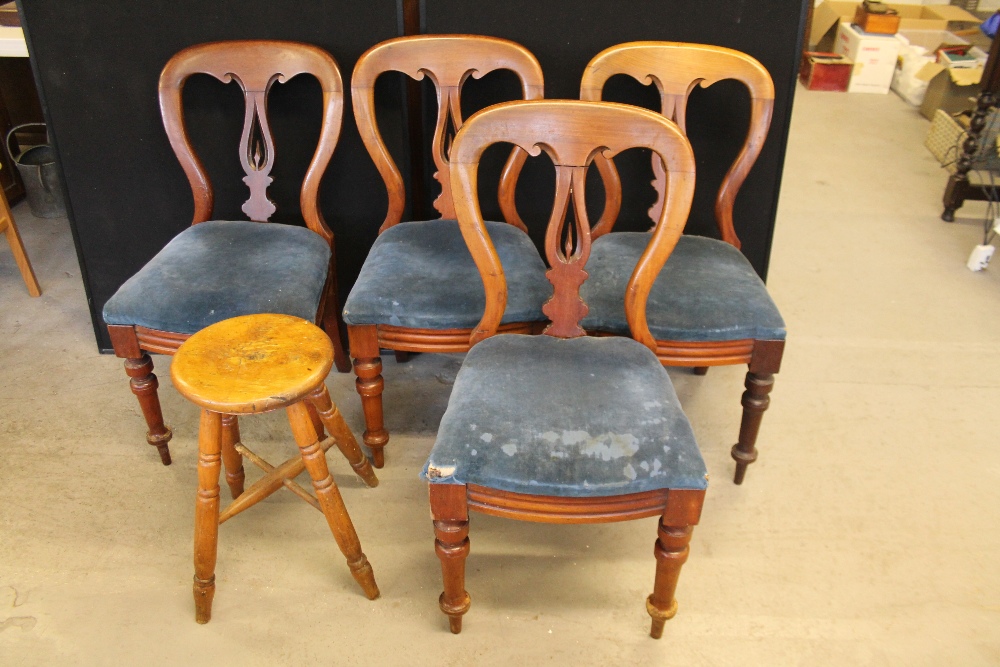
(564, 427)
(708, 307)
(219, 269)
(419, 290)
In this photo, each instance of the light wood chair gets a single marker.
(708, 307)
(419, 290)
(249, 365)
(564, 427)
(9, 228)
(218, 269)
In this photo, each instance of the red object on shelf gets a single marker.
(825, 71)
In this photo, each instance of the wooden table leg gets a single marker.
(329, 498)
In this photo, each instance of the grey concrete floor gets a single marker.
(865, 534)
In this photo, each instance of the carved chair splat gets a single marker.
(744, 327)
(526, 420)
(239, 267)
(398, 303)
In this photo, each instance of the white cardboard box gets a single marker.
(874, 58)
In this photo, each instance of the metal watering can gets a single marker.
(40, 174)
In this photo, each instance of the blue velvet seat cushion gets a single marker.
(565, 417)
(421, 275)
(707, 291)
(220, 269)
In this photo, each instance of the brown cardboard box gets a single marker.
(949, 89)
(829, 13)
(825, 71)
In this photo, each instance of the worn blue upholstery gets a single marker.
(421, 275)
(707, 291)
(565, 417)
(220, 269)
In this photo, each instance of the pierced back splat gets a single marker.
(572, 134)
(255, 65)
(676, 68)
(448, 61)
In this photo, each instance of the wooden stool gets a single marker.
(253, 364)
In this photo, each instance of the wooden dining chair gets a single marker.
(418, 290)
(219, 269)
(564, 427)
(708, 307)
(9, 228)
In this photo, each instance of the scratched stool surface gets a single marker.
(252, 364)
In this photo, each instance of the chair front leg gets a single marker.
(450, 512)
(368, 368)
(765, 363)
(144, 384)
(671, 551)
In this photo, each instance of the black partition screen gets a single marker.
(97, 63)
(564, 35)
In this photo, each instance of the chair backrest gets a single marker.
(255, 65)
(572, 133)
(675, 68)
(448, 61)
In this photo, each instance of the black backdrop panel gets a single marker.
(564, 35)
(98, 62)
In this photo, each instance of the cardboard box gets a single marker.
(874, 58)
(917, 49)
(952, 90)
(828, 14)
(825, 71)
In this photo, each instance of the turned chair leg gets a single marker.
(330, 500)
(368, 368)
(232, 459)
(671, 551)
(144, 384)
(331, 319)
(206, 513)
(755, 402)
(320, 404)
(450, 512)
(9, 228)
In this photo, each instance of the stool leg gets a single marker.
(330, 417)
(329, 499)
(316, 420)
(231, 458)
(206, 513)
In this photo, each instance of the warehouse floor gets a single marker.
(865, 534)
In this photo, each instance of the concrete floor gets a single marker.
(865, 534)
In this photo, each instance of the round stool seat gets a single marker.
(252, 364)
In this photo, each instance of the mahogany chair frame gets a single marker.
(9, 228)
(447, 61)
(573, 134)
(255, 65)
(676, 69)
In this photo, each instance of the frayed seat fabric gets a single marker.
(421, 275)
(220, 269)
(707, 291)
(578, 417)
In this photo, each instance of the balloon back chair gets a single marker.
(708, 307)
(218, 269)
(564, 427)
(418, 290)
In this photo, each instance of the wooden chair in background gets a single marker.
(565, 427)
(220, 269)
(419, 290)
(708, 307)
(9, 228)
